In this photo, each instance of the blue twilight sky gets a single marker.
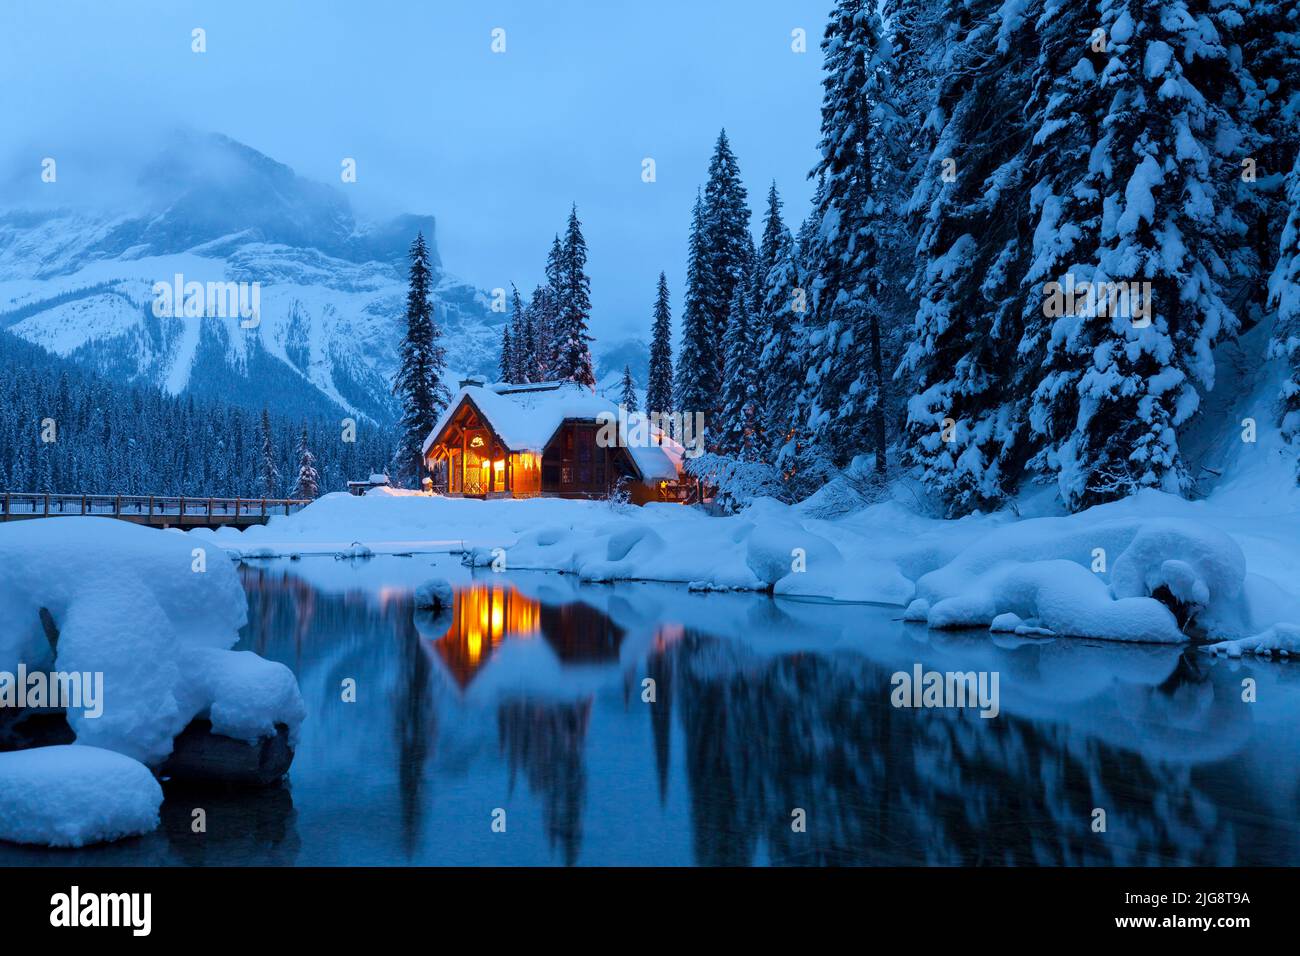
(495, 145)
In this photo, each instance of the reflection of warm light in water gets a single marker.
(668, 634)
(482, 618)
(498, 615)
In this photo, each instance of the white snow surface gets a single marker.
(130, 603)
(71, 796)
(1234, 559)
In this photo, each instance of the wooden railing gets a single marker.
(159, 509)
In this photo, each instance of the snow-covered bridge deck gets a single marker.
(158, 510)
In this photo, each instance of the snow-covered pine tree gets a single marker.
(1166, 212)
(269, 473)
(422, 363)
(845, 383)
(1066, 108)
(969, 211)
(697, 359)
(782, 306)
(1284, 295)
(628, 396)
(555, 279)
(506, 363)
(659, 389)
(573, 349)
(538, 317)
(737, 435)
(1266, 104)
(727, 250)
(521, 358)
(308, 477)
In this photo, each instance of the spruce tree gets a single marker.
(697, 360)
(421, 366)
(506, 363)
(659, 389)
(1166, 213)
(1066, 109)
(628, 397)
(737, 435)
(1284, 295)
(727, 250)
(553, 306)
(523, 361)
(308, 477)
(1265, 101)
(539, 310)
(270, 474)
(845, 388)
(573, 351)
(782, 306)
(969, 210)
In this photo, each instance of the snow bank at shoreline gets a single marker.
(71, 796)
(1123, 571)
(151, 615)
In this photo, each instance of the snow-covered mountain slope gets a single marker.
(80, 283)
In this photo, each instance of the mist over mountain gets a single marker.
(78, 280)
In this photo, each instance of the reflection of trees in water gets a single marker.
(243, 827)
(546, 740)
(415, 725)
(660, 669)
(887, 786)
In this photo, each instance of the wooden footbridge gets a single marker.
(160, 511)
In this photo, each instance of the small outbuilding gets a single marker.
(376, 480)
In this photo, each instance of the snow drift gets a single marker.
(156, 616)
(71, 796)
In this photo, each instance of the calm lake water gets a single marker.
(527, 700)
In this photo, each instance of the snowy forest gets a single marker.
(1034, 222)
(117, 439)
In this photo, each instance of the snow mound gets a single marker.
(1061, 596)
(1280, 639)
(72, 796)
(355, 550)
(138, 606)
(435, 593)
(243, 695)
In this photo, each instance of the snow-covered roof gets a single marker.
(525, 417)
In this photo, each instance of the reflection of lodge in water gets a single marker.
(484, 616)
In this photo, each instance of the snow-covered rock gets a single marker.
(1280, 639)
(137, 605)
(434, 594)
(72, 796)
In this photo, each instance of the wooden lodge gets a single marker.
(526, 441)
